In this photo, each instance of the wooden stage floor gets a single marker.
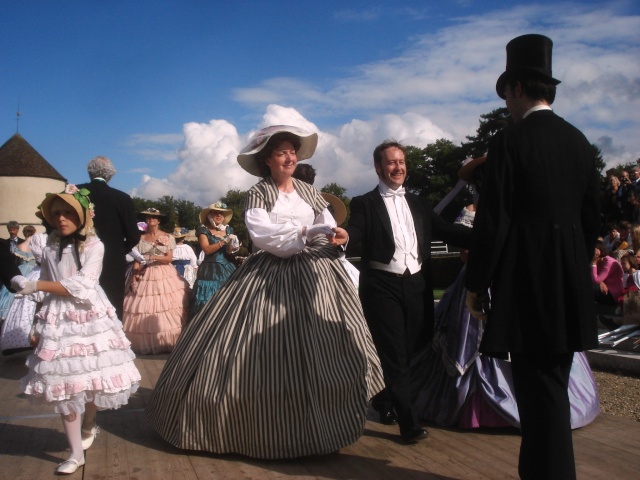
(32, 443)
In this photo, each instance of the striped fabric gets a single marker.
(278, 364)
(265, 194)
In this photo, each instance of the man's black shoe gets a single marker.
(387, 417)
(414, 435)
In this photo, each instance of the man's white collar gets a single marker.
(536, 109)
(384, 188)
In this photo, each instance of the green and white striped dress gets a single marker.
(279, 363)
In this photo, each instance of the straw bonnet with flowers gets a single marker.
(78, 199)
(180, 232)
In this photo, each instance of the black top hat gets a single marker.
(529, 55)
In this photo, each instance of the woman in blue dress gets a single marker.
(218, 243)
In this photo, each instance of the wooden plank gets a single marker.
(32, 443)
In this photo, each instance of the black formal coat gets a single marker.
(8, 267)
(534, 236)
(370, 226)
(116, 225)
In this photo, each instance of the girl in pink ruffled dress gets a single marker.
(83, 361)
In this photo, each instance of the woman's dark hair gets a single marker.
(600, 246)
(28, 230)
(274, 142)
(305, 172)
(533, 87)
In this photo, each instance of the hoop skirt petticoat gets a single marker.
(278, 364)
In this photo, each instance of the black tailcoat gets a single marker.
(534, 236)
(8, 267)
(370, 226)
(116, 225)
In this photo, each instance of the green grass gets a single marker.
(437, 293)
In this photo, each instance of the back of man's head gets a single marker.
(101, 167)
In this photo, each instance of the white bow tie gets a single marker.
(394, 193)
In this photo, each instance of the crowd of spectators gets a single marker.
(617, 254)
(621, 197)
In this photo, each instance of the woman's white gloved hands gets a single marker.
(319, 229)
(18, 282)
(233, 241)
(29, 288)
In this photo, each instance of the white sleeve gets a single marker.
(282, 240)
(135, 255)
(83, 284)
(326, 218)
(193, 260)
(37, 243)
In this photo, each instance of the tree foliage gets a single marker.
(180, 213)
(490, 124)
(235, 201)
(433, 171)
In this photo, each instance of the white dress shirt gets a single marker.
(406, 255)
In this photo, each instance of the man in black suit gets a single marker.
(115, 224)
(395, 228)
(8, 268)
(532, 245)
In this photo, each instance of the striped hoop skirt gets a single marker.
(278, 364)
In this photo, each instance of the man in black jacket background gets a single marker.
(115, 224)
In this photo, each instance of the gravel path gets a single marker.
(619, 394)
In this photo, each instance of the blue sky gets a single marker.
(170, 90)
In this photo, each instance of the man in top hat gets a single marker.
(395, 229)
(532, 246)
(115, 224)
